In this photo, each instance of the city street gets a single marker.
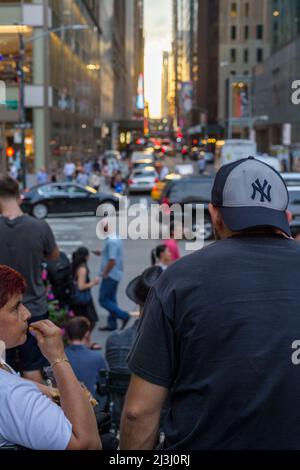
(72, 232)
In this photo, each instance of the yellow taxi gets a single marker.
(160, 185)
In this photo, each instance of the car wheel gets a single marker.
(40, 211)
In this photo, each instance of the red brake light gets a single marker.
(156, 180)
(130, 182)
(166, 200)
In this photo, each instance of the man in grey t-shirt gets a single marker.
(24, 243)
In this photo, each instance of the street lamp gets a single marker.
(20, 71)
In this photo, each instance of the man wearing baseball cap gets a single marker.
(221, 329)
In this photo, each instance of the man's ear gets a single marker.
(215, 215)
(289, 216)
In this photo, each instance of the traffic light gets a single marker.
(10, 152)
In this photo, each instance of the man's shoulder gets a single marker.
(29, 221)
(188, 261)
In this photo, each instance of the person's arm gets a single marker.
(74, 403)
(51, 251)
(153, 374)
(141, 415)
(81, 279)
(110, 265)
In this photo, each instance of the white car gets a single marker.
(269, 160)
(142, 180)
(138, 156)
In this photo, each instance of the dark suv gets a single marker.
(192, 190)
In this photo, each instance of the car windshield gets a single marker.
(191, 190)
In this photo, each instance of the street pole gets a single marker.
(229, 124)
(46, 85)
(22, 108)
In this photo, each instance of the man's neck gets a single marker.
(78, 342)
(10, 209)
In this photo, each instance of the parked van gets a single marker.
(235, 149)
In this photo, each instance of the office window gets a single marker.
(259, 55)
(233, 9)
(246, 33)
(233, 32)
(246, 56)
(246, 72)
(247, 9)
(233, 55)
(232, 72)
(259, 31)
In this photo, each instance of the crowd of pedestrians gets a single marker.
(210, 356)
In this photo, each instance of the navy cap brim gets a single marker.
(242, 218)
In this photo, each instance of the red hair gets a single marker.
(11, 283)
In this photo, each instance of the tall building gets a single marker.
(62, 78)
(274, 78)
(128, 66)
(81, 67)
(285, 22)
(206, 65)
(168, 88)
(216, 43)
(244, 41)
(184, 48)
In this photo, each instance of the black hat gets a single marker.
(138, 289)
(250, 193)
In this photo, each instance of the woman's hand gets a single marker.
(96, 281)
(49, 338)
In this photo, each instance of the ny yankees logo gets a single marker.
(258, 188)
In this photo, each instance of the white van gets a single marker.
(271, 161)
(236, 149)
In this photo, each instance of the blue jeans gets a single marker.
(108, 300)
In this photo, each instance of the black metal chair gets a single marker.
(114, 385)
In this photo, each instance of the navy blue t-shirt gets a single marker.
(86, 364)
(218, 331)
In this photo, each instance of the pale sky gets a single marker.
(158, 38)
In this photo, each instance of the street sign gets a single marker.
(23, 125)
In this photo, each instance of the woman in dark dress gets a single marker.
(83, 284)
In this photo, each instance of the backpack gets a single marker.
(61, 279)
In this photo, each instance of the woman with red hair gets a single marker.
(28, 417)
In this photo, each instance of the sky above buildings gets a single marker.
(158, 38)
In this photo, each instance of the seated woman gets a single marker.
(28, 416)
